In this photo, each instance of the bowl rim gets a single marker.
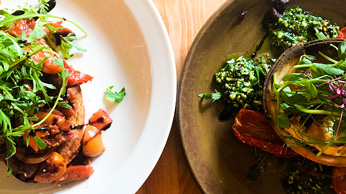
(183, 76)
(292, 54)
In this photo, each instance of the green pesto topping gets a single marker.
(305, 177)
(297, 25)
(241, 81)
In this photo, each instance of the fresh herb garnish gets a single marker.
(63, 74)
(30, 12)
(306, 176)
(115, 96)
(298, 26)
(240, 82)
(211, 96)
(22, 91)
(314, 92)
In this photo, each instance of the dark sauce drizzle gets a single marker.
(259, 46)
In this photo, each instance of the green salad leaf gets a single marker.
(315, 92)
(115, 96)
(22, 89)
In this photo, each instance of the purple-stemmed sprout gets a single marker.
(336, 134)
(338, 96)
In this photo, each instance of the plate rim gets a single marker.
(187, 63)
(203, 187)
(148, 8)
(148, 149)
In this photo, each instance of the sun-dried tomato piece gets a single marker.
(339, 180)
(252, 128)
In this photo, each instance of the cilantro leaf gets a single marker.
(211, 96)
(115, 96)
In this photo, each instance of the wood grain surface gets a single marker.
(183, 20)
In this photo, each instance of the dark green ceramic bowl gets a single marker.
(218, 161)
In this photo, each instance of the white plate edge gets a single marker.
(137, 161)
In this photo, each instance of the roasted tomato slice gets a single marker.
(20, 26)
(76, 77)
(342, 33)
(63, 30)
(339, 180)
(48, 64)
(252, 128)
(74, 173)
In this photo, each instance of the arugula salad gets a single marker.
(314, 93)
(43, 136)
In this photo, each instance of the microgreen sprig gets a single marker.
(314, 89)
(63, 74)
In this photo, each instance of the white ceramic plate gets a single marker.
(128, 46)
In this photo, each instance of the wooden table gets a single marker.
(183, 19)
